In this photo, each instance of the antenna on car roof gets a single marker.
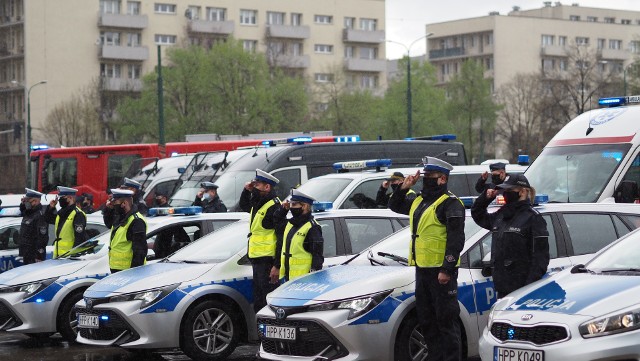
(589, 129)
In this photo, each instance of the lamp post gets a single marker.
(409, 100)
(28, 169)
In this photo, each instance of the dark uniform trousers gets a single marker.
(261, 281)
(439, 303)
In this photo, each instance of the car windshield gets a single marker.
(622, 256)
(92, 248)
(575, 173)
(215, 247)
(325, 189)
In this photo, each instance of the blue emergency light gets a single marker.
(39, 146)
(321, 206)
(294, 140)
(347, 139)
(166, 211)
(523, 159)
(618, 101)
(541, 198)
(361, 164)
(104, 318)
(467, 201)
(10, 212)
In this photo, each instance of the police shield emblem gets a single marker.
(79, 229)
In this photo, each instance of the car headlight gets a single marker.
(29, 289)
(611, 324)
(148, 297)
(356, 306)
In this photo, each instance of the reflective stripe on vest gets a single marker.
(299, 261)
(67, 236)
(430, 240)
(120, 248)
(262, 242)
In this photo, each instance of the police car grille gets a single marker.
(7, 318)
(538, 335)
(312, 339)
(110, 329)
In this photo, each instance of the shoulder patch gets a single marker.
(79, 228)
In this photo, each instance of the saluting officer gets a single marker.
(136, 187)
(301, 248)
(259, 198)
(394, 182)
(128, 247)
(70, 221)
(208, 199)
(34, 230)
(436, 218)
(498, 174)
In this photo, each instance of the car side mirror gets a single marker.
(182, 170)
(151, 255)
(626, 192)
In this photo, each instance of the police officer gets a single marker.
(161, 199)
(70, 221)
(136, 187)
(301, 248)
(436, 218)
(519, 245)
(128, 247)
(110, 215)
(394, 182)
(498, 174)
(259, 198)
(34, 230)
(208, 199)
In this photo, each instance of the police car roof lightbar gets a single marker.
(618, 101)
(347, 139)
(10, 212)
(294, 140)
(165, 211)
(361, 164)
(39, 146)
(321, 206)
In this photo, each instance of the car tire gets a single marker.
(410, 344)
(210, 331)
(67, 322)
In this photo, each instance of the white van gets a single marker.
(594, 158)
(162, 175)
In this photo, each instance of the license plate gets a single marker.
(514, 354)
(280, 333)
(88, 321)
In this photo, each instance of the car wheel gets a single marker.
(210, 332)
(410, 344)
(67, 320)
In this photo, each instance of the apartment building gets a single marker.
(72, 43)
(525, 41)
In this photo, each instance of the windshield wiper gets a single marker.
(403, 261)
(611, 270)
(75, 253)
(580, 268)
(191, 262)
(374, 261)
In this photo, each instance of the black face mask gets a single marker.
(495, 179)
(63, 202)
(429, 183)
(28, 206)
(511, 197)
(296, 212)
(256, 193)
(120, 211)
(394, 187)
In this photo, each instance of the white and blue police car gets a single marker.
(200, 298)
(359, 312)
(38, 299)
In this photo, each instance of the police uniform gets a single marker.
(519, 244)
(70, 223)
(128, 245)
(301, 246)
(263, 235)
(34, 230)
(136, 187)
(211, 205)
(436, 219)
(482, 185)
(383, 196)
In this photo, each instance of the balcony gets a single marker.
(614, 54)
(293, 61)
(7, 21)
(446, 53)
(211, 27)
(288, 32)
(120, 84)
(11, 53)
(553, 50)
(363, 36)
(123, 21)
(116, 52)
(366, 65)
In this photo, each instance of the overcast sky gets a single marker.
(406, 19)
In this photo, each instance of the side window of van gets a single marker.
(364, 196)
(289, 178)
(633, 174)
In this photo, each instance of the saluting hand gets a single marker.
(410, 181)
(53, 203)
(286, 205)
(485, 175)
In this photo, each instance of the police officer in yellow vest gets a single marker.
(302, 244)
(70, 221)
(259, 198)
(436, 219)
(128, 247)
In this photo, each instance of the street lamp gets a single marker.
(409, 101)
(28, 169)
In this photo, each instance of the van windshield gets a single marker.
(231, 184)
(324, 189)
(576, 173)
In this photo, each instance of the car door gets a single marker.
(9, 240)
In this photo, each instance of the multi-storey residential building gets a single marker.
(70, 43)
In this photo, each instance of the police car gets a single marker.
(38, 299)
(590, 312)
(10, 221)
(359, 312)
(200, 298)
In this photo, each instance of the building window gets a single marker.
(323, 77)
(323, 19)
(625, 22)
(562, 64)
(296, 19)
(601, 43)
(368, 82)
(488, 64)
(610, 20)
(489, 39)
(160, 8)
(216, 14)
(275, 18)
(276, 48)
(296, 49)
(634, 46)
(248, 17)
(133, 7)
(592, 19)
(348, 52)
(193, 13)
(574, 17)
(165, 39)
(110, 70)
(133, 39)
(562, 40)
(615, 44)
(249, 45)
(110, 6)
(581, 40)
(368, 24)
(602, 67)
(323, 49)
(349, 22)
(135, 71)
(368, 53)
(547, 40)
(109, 38)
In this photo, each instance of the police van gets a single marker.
(161, 176)
(595, 157)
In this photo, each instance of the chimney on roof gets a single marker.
(516, 8)
(558, 3)
(494, 13)
(547, 4)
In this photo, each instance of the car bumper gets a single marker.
(26, 317)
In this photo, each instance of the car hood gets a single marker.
(41, 270)
(338, 283)
(576, 294)
(146, 277)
